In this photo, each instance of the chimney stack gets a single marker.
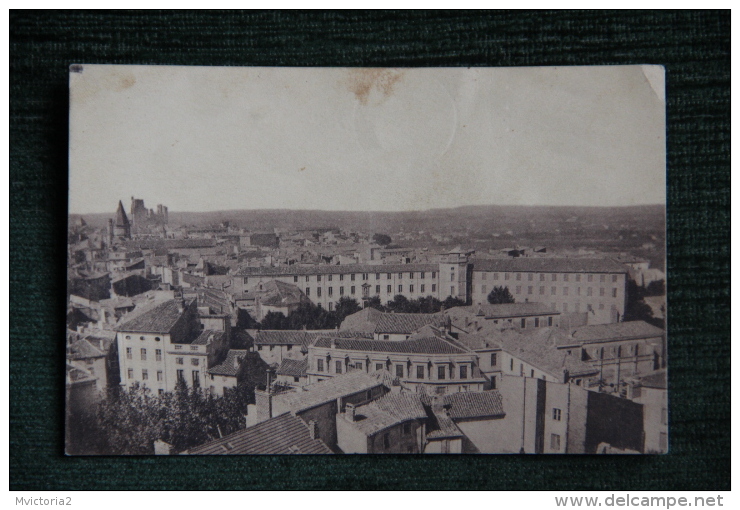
(312, 429)
(349, 412)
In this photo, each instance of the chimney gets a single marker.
(312, 429)
(269, 380)
(349, 412)
(333, 343)
(181, 305)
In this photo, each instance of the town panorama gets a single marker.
(472, 330)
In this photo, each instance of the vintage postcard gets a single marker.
(346, 260)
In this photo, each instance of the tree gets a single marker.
(500, 295)
(374, 302)
(656, 288)
(382, 239)
(451, 302)
(344, 307)
(274, 320)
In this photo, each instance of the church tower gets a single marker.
(122, 227)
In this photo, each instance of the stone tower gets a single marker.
(122, 227)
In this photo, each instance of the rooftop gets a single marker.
(474, 404)
(325, 391)
(502, 311)
(83, 349)
(159, 319)
(206, 336)
(374, 321)
(611, 332)
(336, 269)
(387, 411)
(230, 365)
(656, 380)
(293, 368)
(298, 337)
(549, 265)
(284, 434)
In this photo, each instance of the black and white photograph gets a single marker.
(275, 261)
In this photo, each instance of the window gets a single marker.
(602, 292)
(565, 307)
(452, 291)
(377, 276)
(565, 277)
(160, 375)
(157, 339)
(495, 276)
(389, 289)
(663, 441)
(463, 371)
(377, 289)
(338, 367)
(530, 277)
(553, 290)
(614, 278)
(434, 287)
(388, 276)
(411, 288)
(193, 347)
(128, 337)
(555, 442)
(288, 347)
(331, 306)
(602, 278)
(329, 277)
(518, 289)
(246, 280)
(601, 306)
(530, 289)
(411, 276)
(493, 382)
(145, 375)
(143, 355)
(318, 292)
(549, 321)
(196, 378)
(664, 416)
(341, 277)
(399, 370)
(378, 366)
(614, 292)
(130, 373)
(452, 277)
(400, 289)
(400, 276)
(295, 279)
(518, 276)
(420, 371)
(590, 278)
(578, 278)
(259, 347)
(178, 347)
(308, 291)
(296, 378)
(422, 275)
(308, 278)
(179, 361)
(589, 291)
(358, 365)
(319, 365)
(494, 359)
(578, 291)
(434, 274)
(352, 290)
(565, 291)
(542, 291)
(386, 440)
(406, 429)
(141, 338)
(536, 322)
(482, 289)
(524, 323)
(556, 413)
(318, 277)
(511, 364)
(441, 372)
(506, 276)
(341, 291)
(554, 277)
(194, 361)
(129, 353)
(181, 375)
(331, 291)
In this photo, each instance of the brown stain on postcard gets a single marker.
(361, 82)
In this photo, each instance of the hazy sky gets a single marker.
(204, 139)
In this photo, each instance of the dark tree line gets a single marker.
(500, 295)
(428, 304)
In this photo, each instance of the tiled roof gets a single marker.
(299, 337)
(503, 311)
(284, 434)
(78, 375)
(474, 404)
(441, 426)
(374, 321)
(325, 391)
(277, 293)
(207, 334)
(611, 332)
(389, 410)
(431, 345)
(293, 367)
(549, 265)
(230, 365)
(159, 319)
(170, 244)
(82, 349)
(336, 269)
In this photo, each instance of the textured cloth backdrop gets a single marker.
(694, 47)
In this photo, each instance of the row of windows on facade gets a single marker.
(156, 338)
(538, 322)
(619, 351)
(543, 276)
(160, 375)
(400, 369)
(157, 355)
(365, 277)
(553, 290)
(389, 289)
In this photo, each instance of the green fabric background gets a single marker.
(694, 47)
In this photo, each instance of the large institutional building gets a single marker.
(595, 288)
